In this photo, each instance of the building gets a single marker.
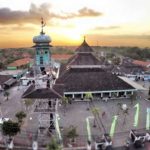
(40, 82)
(20, 63)
(42, 62)
(3, 80)
(84, 73)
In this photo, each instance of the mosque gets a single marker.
(83, 73)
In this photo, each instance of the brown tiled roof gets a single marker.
(141, 63)
(20, 62)
(43, 93)
(91, 79)
(84, 48)
(83, 59)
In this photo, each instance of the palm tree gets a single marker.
(88, 97)
(64, 103)
(28, 102)
(53, 145)
(133, 97)
(20, 115)
(6, 94)
(95, 112)
(72, 133)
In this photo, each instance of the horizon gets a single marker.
(112, 23)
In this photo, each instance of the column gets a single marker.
(110, 94)
(117, 94)
(72, 96)
(101, 94)
(82, 96)
(125, 93)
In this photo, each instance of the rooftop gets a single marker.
(43, 93)
(84, 48)
(91, 79)
(20, 62)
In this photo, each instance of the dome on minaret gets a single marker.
(42, 38)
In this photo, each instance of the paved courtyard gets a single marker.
(77, 112)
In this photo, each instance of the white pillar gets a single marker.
(131, 92)
(101, 94)
(117, 93)
(109, 94)
(125, 93)
(81, 96)
(73, 96)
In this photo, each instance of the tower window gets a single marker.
(41, 60)
(45, 52)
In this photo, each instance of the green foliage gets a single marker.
(28, 102)
(72, 133)
(116, 60)
(20, 115)
(95, 111)
(6, 94)
(88, 96)
(133, 97)
(10, 128)
(53, 145)
(61, 50)
(2, 65)
(65, 100)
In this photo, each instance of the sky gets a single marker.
(103, 22)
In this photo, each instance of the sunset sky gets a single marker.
(103, 22)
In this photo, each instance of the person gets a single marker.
(103, 114)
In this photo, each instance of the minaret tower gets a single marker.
(42, 51)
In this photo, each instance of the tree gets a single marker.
(6, 94)
(95, 112)
(53, 145)
(10, 128)
(133, 97)
(72, 133)
(116, 60)
(28, 102)
(20, 115)
(88, 97)
(64, 103)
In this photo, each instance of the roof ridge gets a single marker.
(31, 91)
(53, 90)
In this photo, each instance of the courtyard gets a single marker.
(75, 114)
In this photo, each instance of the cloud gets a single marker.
(83, 12)
(122, 36)
(106, 28)
(33, 15)
(8, 16)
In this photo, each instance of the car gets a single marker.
(2, 119)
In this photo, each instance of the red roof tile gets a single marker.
(20, 62)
